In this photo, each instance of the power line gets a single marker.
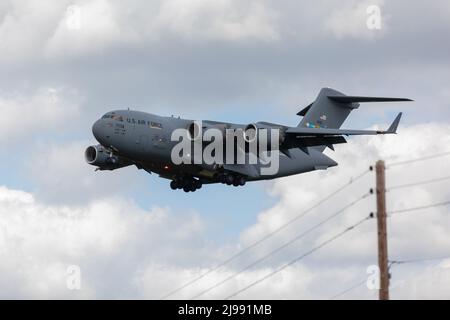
(439, 155)
(395, 263)
(284, 266)
(418, 260)
(418, 183)
(440, 204)
(269, 235)
(392, 263)
(298, 237)
(353, 287)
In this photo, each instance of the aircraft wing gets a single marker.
(301, 137)
(324, 132)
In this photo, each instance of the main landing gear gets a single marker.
(187, 184)
(232, 179)
(190, 184)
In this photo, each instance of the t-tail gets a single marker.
(322, 119)
(331, 108)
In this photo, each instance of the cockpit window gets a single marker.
(113, 116)
(117, 117)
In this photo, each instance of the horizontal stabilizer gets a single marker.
(352, 99)
(304, 110)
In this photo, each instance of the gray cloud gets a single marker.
(125, 251)
(158, 55)
(221, 59)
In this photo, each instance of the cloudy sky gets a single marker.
(65, 63)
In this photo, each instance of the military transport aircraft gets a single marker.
(146, 140)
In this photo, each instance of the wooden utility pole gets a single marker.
(382, 230)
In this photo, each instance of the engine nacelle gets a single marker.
(196, 129)
(100, 157)
(261, 130)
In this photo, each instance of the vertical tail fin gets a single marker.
(332, 107)
(325, 112)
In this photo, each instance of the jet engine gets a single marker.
(102, 158)
(262, 130)
(196, 129)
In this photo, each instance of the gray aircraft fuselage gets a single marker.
(145, 138)
(142, 139)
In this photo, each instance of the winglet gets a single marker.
(394, 125)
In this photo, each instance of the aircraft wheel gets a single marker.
(241, 181)
(173, 185)
(193, 187)
(198, 184)
(186, 189)
(186, 183)
(229, 179)
(236, 183)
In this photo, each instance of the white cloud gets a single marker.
(25, 26)
(293, 282)
(45, 109)
(66, 29)
(428, 281)
(146, 254)
(412, 235)
(220, 20)
(109, 239)
(350, 20)
(74, 216)
(63, 176)
(88, 27)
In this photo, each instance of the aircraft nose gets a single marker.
(97, 130)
